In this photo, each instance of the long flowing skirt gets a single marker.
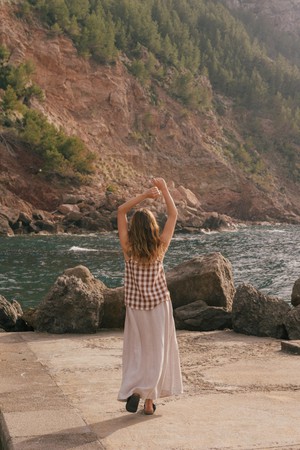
(151, 366)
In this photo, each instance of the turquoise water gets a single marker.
(265, 256)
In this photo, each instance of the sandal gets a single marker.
(132, 403)
(150, 413)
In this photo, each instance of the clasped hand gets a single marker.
(155, 191)
(159, 185)
(152, 192)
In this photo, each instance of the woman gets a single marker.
(151, 367)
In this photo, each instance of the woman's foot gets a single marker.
(133, 403)
(149, 407)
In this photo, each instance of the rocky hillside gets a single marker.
(133, 137)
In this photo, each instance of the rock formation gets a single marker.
(73, 305)
(99, 214)
(292, 323)
(208, 278)
(295, 298)
(114, 308)
(198, 316)
(203, 286)
(11, 316)
(257, 314)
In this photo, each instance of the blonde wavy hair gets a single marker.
(144, 237)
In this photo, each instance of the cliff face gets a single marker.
(285, 15)
(132, 137)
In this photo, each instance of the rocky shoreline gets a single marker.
(203, 295)
(88, 213)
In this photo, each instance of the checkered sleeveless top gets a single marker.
(145, 285)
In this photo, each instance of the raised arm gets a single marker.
(125, 208)
(172, 213)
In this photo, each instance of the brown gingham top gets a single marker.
(145, 285)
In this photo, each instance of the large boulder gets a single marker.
(5, 229)
(11, 316)
(198, 316)
(29, 315)
(114, 308)
(292, 323)
(189, 197)
(11, 214)
(38, 214)
(257, 314)
(296, 293)
(73, 305)
(46, 226)
(8, 314)
(25, 218)
(208, 278)
(87, 223)
(73, 217)
(102, 221)
(217, 222)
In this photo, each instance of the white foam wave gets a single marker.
(81, 249)
(275, 231)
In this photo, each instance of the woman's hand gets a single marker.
(159, 183)
(152, 193)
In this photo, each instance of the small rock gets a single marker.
(73, 199)
(66, 209)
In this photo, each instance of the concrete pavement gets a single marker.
(58, 392)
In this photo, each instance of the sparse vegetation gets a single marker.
(61, 154)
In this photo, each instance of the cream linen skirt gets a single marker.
(151, 365)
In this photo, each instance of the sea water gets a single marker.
(265, 256)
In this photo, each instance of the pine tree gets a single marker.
(9, 100)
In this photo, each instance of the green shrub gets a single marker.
(63, 155)
(9, 100)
